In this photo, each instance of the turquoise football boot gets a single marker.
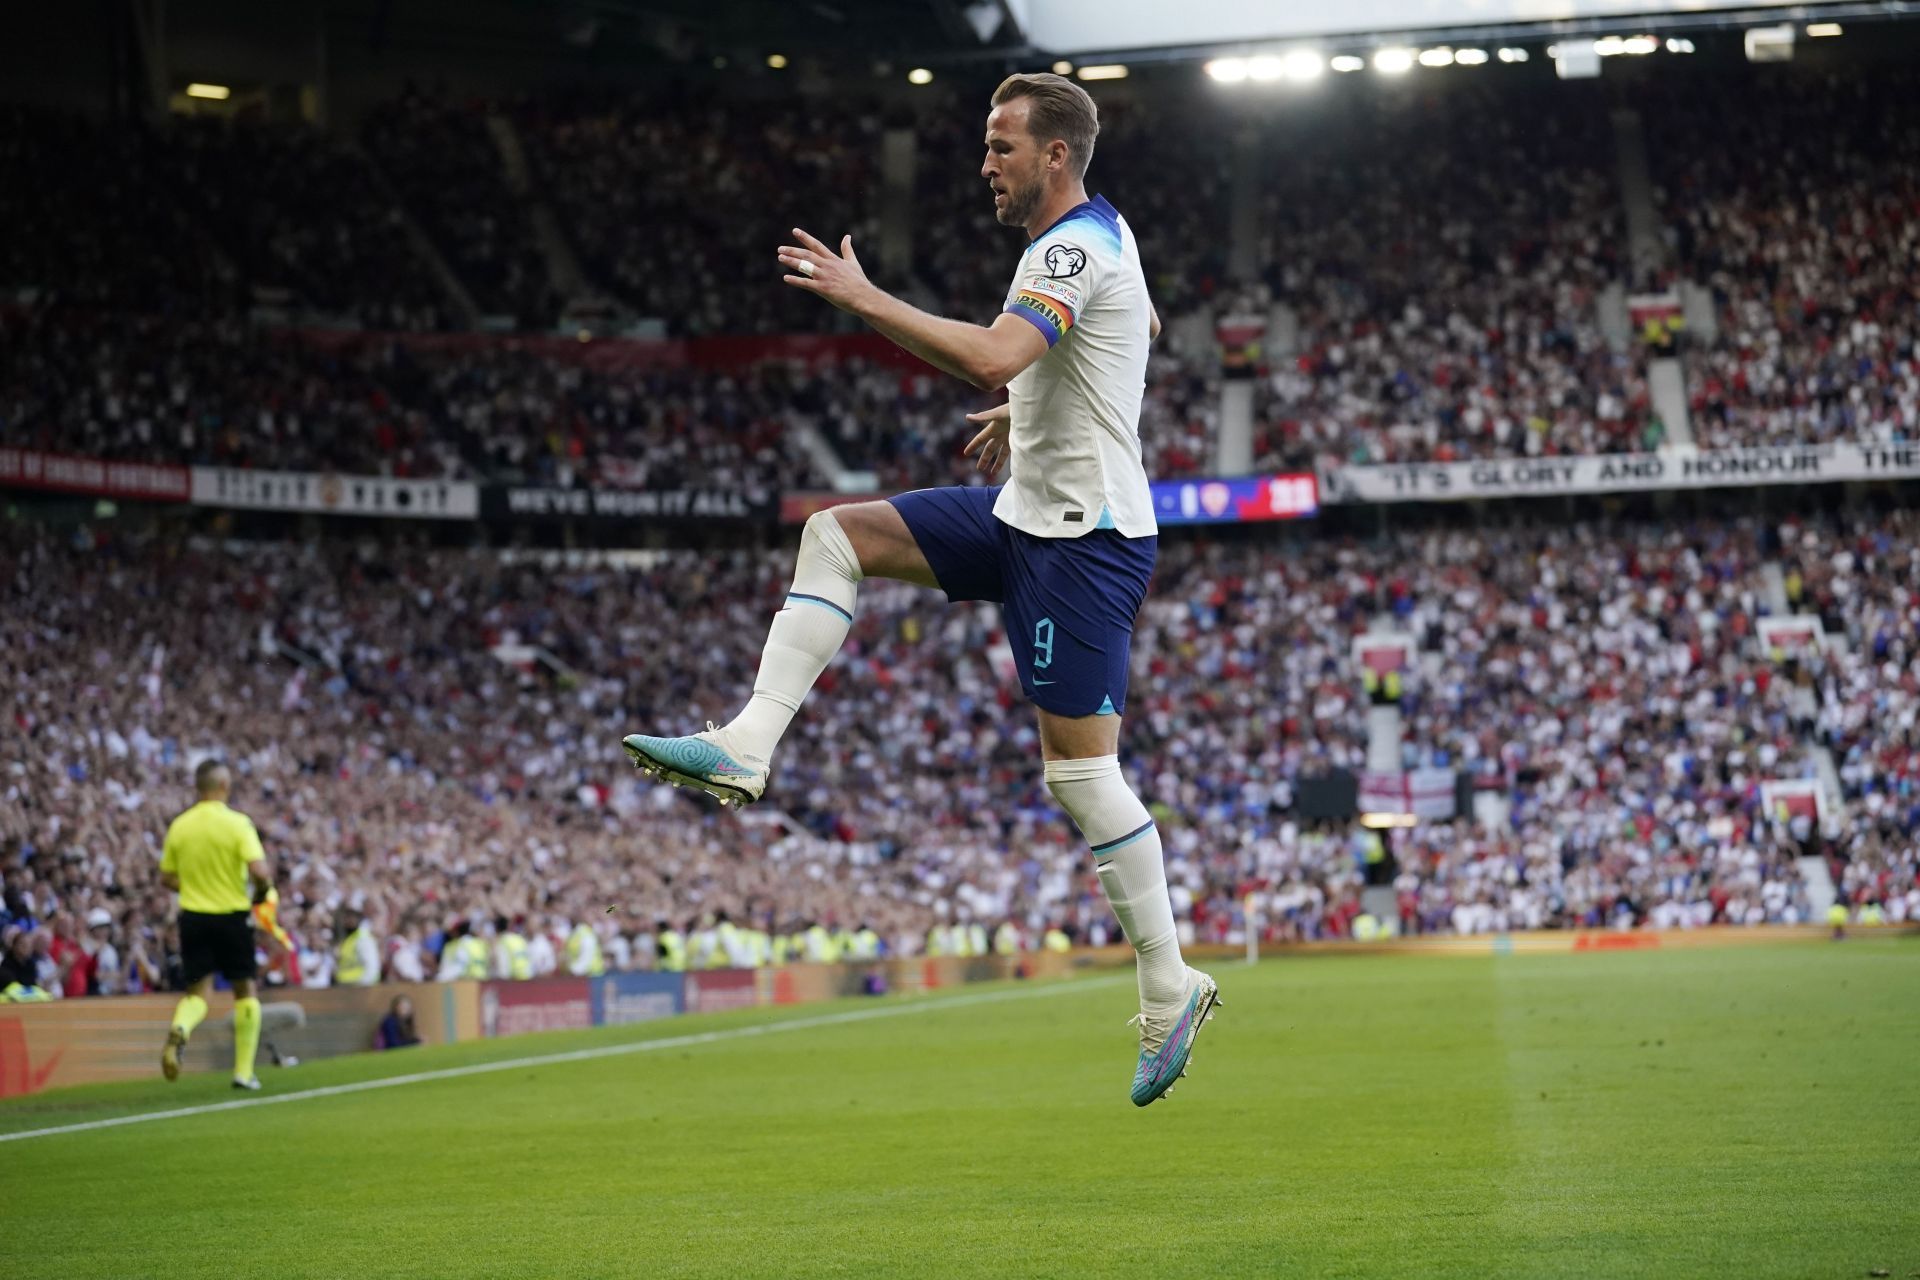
(1167, 1036)
(704, 761)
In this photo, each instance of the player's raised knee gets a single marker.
(878, 540)
(827, 546)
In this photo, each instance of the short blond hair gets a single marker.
(1061, 109)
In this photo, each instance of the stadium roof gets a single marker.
(690, 31)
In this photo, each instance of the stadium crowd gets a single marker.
(677, 201)
(1441, 308)
(1860, 582)
(82, 218)
(306, 217)
(1801, 218)
(1602, 685)
(225, 393)
(1443, 257)
(447, 168)
(222, 392)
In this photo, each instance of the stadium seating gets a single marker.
(132, 387)
(1445, 306)
(85, 218)
(448, 170)
(1602, 681)
(1444, 254)
(677, 201)
(224, 392)
(306, 218)
(1800, 217)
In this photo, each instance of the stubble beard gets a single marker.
(1020, 206)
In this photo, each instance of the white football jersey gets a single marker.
(1075, 435)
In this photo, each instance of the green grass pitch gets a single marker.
(1743, 1112)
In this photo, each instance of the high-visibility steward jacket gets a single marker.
(760, 947)
(472, 953)
(348, 969)
(720, 954)
(583, 952)
(518, 958)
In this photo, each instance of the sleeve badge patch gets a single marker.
(1064, 261)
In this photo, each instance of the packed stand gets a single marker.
(1613, 692)
(447, 167)
(1793, 197)
(223, 392)
(308, 220)
(676, 203)
(1603, 685)
(1863, 582)
(906, 427)
(1442, 249)
(205, 218)
(88, 215)
(1443, 254)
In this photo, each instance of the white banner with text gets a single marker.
(1618, 473)
(335, 494)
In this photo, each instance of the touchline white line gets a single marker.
(577, 1055)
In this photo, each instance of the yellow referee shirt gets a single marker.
(209, 847)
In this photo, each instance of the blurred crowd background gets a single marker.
(1604, 681)
(1443, 256)
(410, 296)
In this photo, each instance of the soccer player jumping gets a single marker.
(1066, 546)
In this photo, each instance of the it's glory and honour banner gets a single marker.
(1618, 473)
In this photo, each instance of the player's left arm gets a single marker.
(989, 357)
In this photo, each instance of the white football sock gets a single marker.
(1126, 853)
(805, 635)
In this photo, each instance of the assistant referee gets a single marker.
(211, 854)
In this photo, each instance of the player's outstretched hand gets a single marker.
(991, 443)
(837, 277)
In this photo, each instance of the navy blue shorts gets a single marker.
(1069, 603)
